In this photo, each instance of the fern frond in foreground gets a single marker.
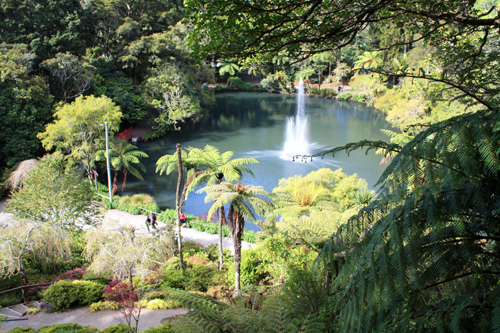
(424, 255)
(270, 315)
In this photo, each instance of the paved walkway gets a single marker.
(100, 319)
(203, 238)
(124, 218)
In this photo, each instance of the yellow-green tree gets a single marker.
(315, 205)
(78, 129)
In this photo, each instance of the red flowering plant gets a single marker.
(120, 292)
(128, 297)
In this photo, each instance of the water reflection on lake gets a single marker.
(253, 125)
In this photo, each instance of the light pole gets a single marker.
(107, 162)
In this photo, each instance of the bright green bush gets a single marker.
(359, 98)
(344, 96)
(174, 279)
(65, 294)
(160, 304)
(120, 328)
(235, 82)
(66, 328)
(165, 328)
(252, 268)
(104, 305)
(22, 330)
(199, 277)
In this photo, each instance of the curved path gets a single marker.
(203, 238)
(84, 317)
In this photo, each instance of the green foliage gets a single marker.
(120, 328)
(25, 106)
(269, 83)
(125, 157)
(104, 305)
(165, 328)
(316, 204)
(23, 330)
(304, 291)
(436, 209)
(71, 76)
(344, 96)
(54, 194)
(65, 294)
(65, 328)
(78, 131)
(241, 315)
(137, 200)
(237, 83)
(253, 268)
(128, 97)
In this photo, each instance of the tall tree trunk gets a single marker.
(236, 227)
(115, 182)
(125, 172)
(222, 221)
(130, 279)
(177, 204)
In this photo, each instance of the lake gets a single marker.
(254, 125)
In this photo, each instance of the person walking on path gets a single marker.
(182, 218)
(153, 220)
(148, 222)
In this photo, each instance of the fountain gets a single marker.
(297, 129)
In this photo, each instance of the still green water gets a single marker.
(253, 125)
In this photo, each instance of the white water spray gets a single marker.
(297, 129)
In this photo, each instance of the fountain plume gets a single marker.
(297, 129)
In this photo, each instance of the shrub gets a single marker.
(65, 294)
(344, 95)
(192, 245)
(165, 328)
(75, 274)
(199, 277)
(359, 98)
(237, 83)
(119, 291)
(304, 291)
(269, 83)
(120, 328)
(134, 204)
(136, 200)
(315, 91)
(212, 251)
(160, 304)
(252, 268)
(61, 294)
(22, 330)
(104, 305)
(32, 311)
(174, 279)
(65, 328)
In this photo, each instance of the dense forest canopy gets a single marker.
(130, 51)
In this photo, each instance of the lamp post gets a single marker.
(107, 162)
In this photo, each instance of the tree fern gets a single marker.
(240, 315)
(424, 253)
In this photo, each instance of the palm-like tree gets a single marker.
(126, 157)
(245, 201)
(368, 60)
(217, 167)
